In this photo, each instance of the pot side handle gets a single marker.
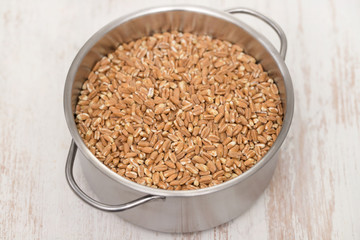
(92, 202)
(271, 23)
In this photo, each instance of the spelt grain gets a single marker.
(179, 111)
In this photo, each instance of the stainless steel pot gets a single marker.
(166, 210)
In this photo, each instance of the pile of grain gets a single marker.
(179, 111)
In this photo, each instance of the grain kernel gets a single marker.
(170, 117)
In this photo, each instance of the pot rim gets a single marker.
(69, 115)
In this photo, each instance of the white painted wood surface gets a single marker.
(315, 192)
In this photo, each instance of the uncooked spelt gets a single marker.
(179, 111)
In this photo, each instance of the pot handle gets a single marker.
(92, 202)
(271, 23)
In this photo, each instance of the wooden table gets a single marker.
(315, 191)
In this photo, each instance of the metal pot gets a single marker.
(167, 210)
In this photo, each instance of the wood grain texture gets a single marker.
(315, 190)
